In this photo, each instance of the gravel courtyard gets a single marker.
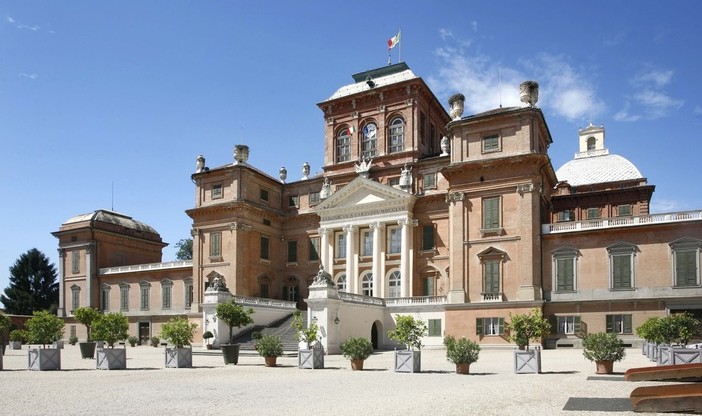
(567, 386)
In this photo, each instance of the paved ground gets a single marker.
(567, 386)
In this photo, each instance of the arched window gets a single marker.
(591, 143)
(368, 141)
(397, 135)
(341, 282)
(367, 284)
(343, 145)
(394, 285)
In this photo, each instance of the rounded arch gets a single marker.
(342, 142)
(377, 334)
(394, 279)
(433, 281)
(369, 135)
(396, 134)
(340, 281)
(367, 283)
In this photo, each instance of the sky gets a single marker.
(106, 105)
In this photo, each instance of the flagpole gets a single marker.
(399, 53)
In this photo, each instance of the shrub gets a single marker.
(86, 316)
(72, 340)
(408, 331)
(178, 331)
(356, 348)
(650, 330)
(4, 321)
(19, 335)
(132, 340)
(234, 316)
(111, 327)
(207, 335)
(462, 351)
(602, 346)
(269, 346)
(155, 341)
(679, 328)
(527, 327)
(256, 335)
(44, 328)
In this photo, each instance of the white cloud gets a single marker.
(18, 25)
(657, 104)
(698, 110)
(25, 75)
(623, 114)
(656, 77)
(474, 25)
(650, 95)
(445, 34)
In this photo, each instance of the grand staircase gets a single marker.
(281, 328)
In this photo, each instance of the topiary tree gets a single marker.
(86, 316)
(44, 328)
(234, 316)
(408, 331)
(650, 330)
(527, 327)
(178, 331)
(679, 328)
(304, 333)
(603, 347)
(111, 327)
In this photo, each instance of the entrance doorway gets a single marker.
(144, 333)
(374, 336)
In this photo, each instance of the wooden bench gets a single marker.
(668, 398)
(665, 372)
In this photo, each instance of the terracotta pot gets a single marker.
(462, 368)
(357, 365)
(271, 361)
(604, 367)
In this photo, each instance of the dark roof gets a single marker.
(380, 72)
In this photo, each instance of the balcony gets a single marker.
(416, 300)
(491, 297)
(617, 222)
(145, 267)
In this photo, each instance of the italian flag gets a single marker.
(393, 41)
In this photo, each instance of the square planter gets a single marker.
(665, 356)
(42, 359)
(527, 361)
(408, 361)
(179, 357)
(15, 345)
(686, 356)
(57, 344)
(311, 358)
(111, 359)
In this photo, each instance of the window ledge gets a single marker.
(215, 259)
(431, 252)
(687, 287)
(621, 289)
(291, 264)
(265, 261)
(491, 231)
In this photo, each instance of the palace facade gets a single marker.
(458, 219)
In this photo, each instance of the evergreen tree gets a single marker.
(185, 249)
(33, 285)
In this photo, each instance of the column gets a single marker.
(351, 269)
(89, 252)
(458, 226)
(404, 256)
(378, 228)
(324, 250)
(61, 308)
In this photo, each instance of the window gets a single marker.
(340, 245)
(490, 326)
(591, 143)
(105, 298)
(215, 244)
(394, 181)
(263, 195)
(216, 192)
(368, 141)
(432, 138)
(341, 282)
(166, 291)
(624, 211)
(491, 213)
(395, 285)
(124, 297)
(144, 295)
(189, 294)
(422, 126)
(292, 251)
(366, 243)
(72, 330)
(394, 240)
(264, 248)
(593, 213)
(314, 198)
(343, 146)
(567, 215)
(564, 270)
(75, 297)
(491, 144)
(293, 201)
(618, 324)
(621, 265)
(430, 180)
(314, 248)
(264, 288)
(267, 222)
(428, 237)
(686, 255)
(569, 325)
(397, 135)
(491, 277)
(75, 261)
(367, 285)
(434, 326)
(429, 285)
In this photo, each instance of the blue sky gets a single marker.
(129, 93)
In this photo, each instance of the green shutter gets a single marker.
(576, 325)
(501, 326)
(621, 271)
(627, 324)
(428, 286)
(428, 237)
(686, 268)
(479, 326)
(491, 281)
(564, 274)
(491, 213)
(610, 323)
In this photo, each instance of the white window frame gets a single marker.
(396, 141)
(340, 245)
(367, 284)
(366, 242)
(343, 145)
(341, 282)
(394, 284)
(394, 238)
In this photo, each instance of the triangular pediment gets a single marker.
(362, 198)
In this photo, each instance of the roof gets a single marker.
(601, 168)
(111, 217)
(381, 77)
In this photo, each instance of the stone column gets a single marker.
(378, 228)
(61, 308)
(458, 226)
(325, 251)
(351, 269)
(89, 254)
(405, 256)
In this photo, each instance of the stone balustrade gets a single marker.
(639, 220)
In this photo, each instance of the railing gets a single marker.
(416, 300)
(247, 300)
(575, 226)
(368, 300)
(144, 267)
(491, 297)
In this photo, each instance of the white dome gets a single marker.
(597, 169)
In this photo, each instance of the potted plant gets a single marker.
(409, 332)
(462, 352)
(675, 332)
(206, 336)
(523, 328)
(17, 337)
(651, 333)
(132, 340)
(44, 328)
(4, 324)
(73, 340)
(155, 341)
(270, 347)
(111, 327)
(86, 316)
(604, 349)
(310, 352)
(179, 332)
(234, 316)
(356, 349)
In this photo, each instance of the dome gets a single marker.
(597, 169)
(115, 218)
